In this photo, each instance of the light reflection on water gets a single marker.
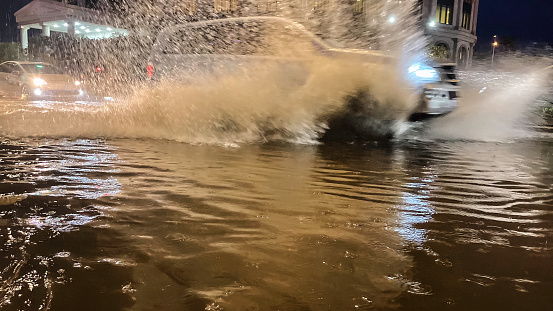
(139, 224)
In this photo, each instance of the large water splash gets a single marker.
(251, 106)
(255, 105)
(228, 110)
(498, 104)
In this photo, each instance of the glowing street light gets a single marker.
(494, 44)
(432, 24)
(391, 19)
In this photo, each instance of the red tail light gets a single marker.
(150, 69)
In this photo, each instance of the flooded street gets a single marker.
(263, 156)
(133, 223)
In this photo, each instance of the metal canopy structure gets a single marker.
(52, 16)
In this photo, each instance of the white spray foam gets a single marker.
(244, 108)
(495, 106)
(225, 110)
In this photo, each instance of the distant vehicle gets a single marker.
(185, 52)
(36, 80)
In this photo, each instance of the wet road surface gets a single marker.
(144, 224)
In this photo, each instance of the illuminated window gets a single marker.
(467, 14)
(462, 58)
(320, 5)
(440, 51)
(187, 6)
(358, 6)
(225, 6)
(264, 6)
(444, 12)
(192, 7)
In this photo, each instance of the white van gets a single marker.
(188, 51)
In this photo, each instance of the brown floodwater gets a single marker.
(150, 224)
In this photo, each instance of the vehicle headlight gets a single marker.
(39, 82)
(77, 83)
(424, 72)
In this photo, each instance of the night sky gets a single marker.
(525, 20)
(8, 26)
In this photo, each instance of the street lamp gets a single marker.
(494, 44)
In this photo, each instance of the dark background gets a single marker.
(520, 22)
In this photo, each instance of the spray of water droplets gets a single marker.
(254, 105)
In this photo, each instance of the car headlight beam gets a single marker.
(39, 82)
(424, 72)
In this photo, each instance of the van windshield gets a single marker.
(241, 38)
(40, 68)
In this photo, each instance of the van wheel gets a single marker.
(24, 93)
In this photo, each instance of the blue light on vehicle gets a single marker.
(424, 72)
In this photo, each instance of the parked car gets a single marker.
(36, 80)
(185, 52)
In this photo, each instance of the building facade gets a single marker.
(71, 17)
(451, 25)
